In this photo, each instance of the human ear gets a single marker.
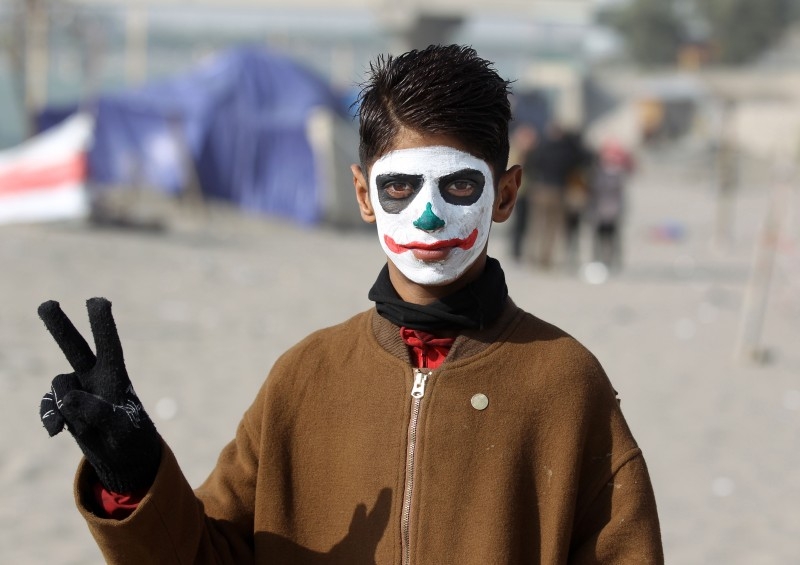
(362, 194)
(507, 186)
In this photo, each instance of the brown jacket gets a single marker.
(335, 462)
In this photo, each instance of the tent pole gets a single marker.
(192, 189)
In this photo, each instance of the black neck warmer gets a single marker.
(475, 306)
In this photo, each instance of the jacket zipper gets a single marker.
(417, 392)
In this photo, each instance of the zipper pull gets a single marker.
(420, 378)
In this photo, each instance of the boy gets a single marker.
(444, 426)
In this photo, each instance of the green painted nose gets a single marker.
(429, 221)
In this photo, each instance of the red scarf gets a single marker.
(427, 350)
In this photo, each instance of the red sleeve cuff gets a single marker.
(115, 505)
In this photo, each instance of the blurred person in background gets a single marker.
(523, 141)
(549, 166)
(576, 196)
(444, 425)
(607, 186)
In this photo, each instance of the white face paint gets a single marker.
(433, 208)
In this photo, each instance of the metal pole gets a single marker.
(36, 60)
(136, 39)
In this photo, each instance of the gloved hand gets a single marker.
(97, 402)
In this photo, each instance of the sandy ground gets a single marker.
(205, 308)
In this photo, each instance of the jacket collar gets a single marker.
(467, 344)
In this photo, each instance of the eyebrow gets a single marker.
(402, 177)
(470, 174)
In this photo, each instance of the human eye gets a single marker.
(398, 189)
(397, 186)
(461, 188)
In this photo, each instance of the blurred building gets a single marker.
(56, 55)
(55, 52)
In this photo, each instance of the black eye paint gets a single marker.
(472, 176)
(393, 205)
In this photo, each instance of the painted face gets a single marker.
(433, 208)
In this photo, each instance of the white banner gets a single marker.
(44, 178)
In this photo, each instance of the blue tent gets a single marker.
(237, 121)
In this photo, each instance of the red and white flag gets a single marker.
(44, 178)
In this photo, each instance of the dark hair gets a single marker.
(443, 89)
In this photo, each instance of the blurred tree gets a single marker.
(740, 30)
(652, 30)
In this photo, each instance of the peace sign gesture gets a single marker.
(97, 402)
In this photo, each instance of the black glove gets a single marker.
(97, 402)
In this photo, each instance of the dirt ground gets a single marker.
(206, 306)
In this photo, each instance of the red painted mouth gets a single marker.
(464, 244)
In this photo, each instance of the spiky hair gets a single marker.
(443, 89)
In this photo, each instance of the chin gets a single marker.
(436, 281)
(433, 273)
